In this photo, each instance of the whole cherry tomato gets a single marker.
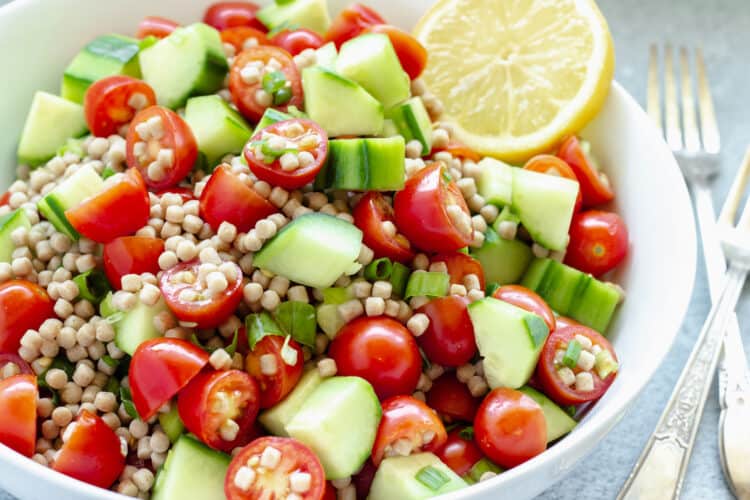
(159, 27)
(276, 385)
(459, 453)
(131, 255)
(223, 15)
(598, 242)
(18, 395)
(295, 41)
(374, 216)
(411, 53)
(351, 22)
(113, 101)
(449, 339)
(452, 399)
(528, 300)
(23, 306)
(552, 165)
(460, 266)
(595, 187)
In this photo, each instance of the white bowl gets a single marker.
(38, 38)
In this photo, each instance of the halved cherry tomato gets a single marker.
(595, 186)
(23, 306)
(422, 211)
(272, 483)
(369, 215)
(223, 15)
(159, 369)
(528, 300)
(276, 386)
(407, 419)
(552, 165)
(18, 395)
(351, 22)
(7, 358)
(458, 453)
(91, 453)
(4, 198)
(113, 101)
(381, 351)
(564, 322)
(160, 27)
(121, 209)
(185, 193)
(238, 37)
(131, 255)
(547, 369)
(598, 242)
(449, 339)
(227, 198)
(309, 150)
(295, 41)
(459, 150)
(187, 294)
(460, 266)
(510, 427)
(452, 399)
(218, 405)
(330, 491)
(161, 146)
(244, 95)
(363, 479)
(411, 53)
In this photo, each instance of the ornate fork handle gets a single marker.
(660, 469)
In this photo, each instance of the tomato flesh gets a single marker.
(595, 187)
(449, 338)
(18, 395)
(7, 358)
(528, 300)
(452, 399)
(274, 386)
(23, 306)
(598, 242)
(296, 41)
(160, 27)
(131, 255)
(552, 165)
(241, 37)
(352, 21)
(370, 214)
(458, 453)
(113, 101)
(223, 15)
(460, 266)
(411, 53)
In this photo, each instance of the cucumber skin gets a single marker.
(9, 223)
(372, 164)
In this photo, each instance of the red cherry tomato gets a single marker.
(188, 296)
(131, 255)
(598, 242)
(239, 36)
(159, 27)
(92, 452)
(159, 369)
(18, 395)
(564, 322)
(311, 151)
(452, 399)
(510, 427)
(547, 369)
(244, 94)
(460, 266)
(113, 101)
(227, 198)
(7, 358)
(458, 453)
(295, 41)
(369, 215)
(276, 386)
(595, 187)
(409, 419)
(381, 351)
(422, 211)
(449, 339)
(23, 306)
(166, 154)
(4, 198)
(410, 52)
(552, 165)
(351, 22)
(216, 403)
(363, 479)
(528, 300)
(121, 209)
(459, 150)
(223, 15)
(185, 193)
(274, 482)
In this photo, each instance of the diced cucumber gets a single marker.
(137, 325)
(51, 121)
(327, 93)
(372, 164)
(595, 305)
(192, 470)
(478, 469)
(9, 223)
(83, 184)
(172, 423)
(413, 123)
(310, 14)
(338, 421)
(495, 182)
(218, 129)
(504, 261)
(106, 55)
(271, 116)
(371, 61)
(399, 478)
(329, 319)
(313, 250)
(389, 128)
(188, 62)
(326, 56)
(559, 422)
(276, 418)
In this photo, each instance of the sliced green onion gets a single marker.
(232, 348)
(605, 364)
(428, 284)
(127, 403)
(107, 173)
(92, 285)
(399, 278)
(467, 433)
(464, 250)
(479, 469)
(273, 81)
(432, 477)
(110, 361)
(336, 295)
(297, 319)
(260, 325)
(379, 269)
(572, 353)
(282, 96)
(491, 289)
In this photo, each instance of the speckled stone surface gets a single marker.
(721, 28)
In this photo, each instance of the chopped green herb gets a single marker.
(274, 81)
(572, 353)
(491, 289)
(232, 348)
(127, 403)
(93, 285)
(107, 173)
(112, 385)
(259, 325)
(110, 361)
(431, 477)
(467, 433)
(297, 319)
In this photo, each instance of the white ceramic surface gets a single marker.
(38, 38)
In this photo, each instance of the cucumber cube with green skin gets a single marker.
(558, 421)
(509, 339)
(276, 418)
(372, 164)
(328, 93)
(192, 470)
(595, 305)
(413, 123)
(504, 261)
(326, 56)
(9, 223)
(495, 182)
(338, 421)
(371, 61)
(398, 478)
(310, 14)
(137, 326)
(51, 121)
(218, 129)
(106, 55)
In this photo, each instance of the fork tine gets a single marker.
(709, 129)
(729, 210)
(689, 123)
(654, 97)
(674, 134)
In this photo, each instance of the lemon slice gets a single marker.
(515, 76)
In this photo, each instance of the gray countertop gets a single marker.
(720, 27)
